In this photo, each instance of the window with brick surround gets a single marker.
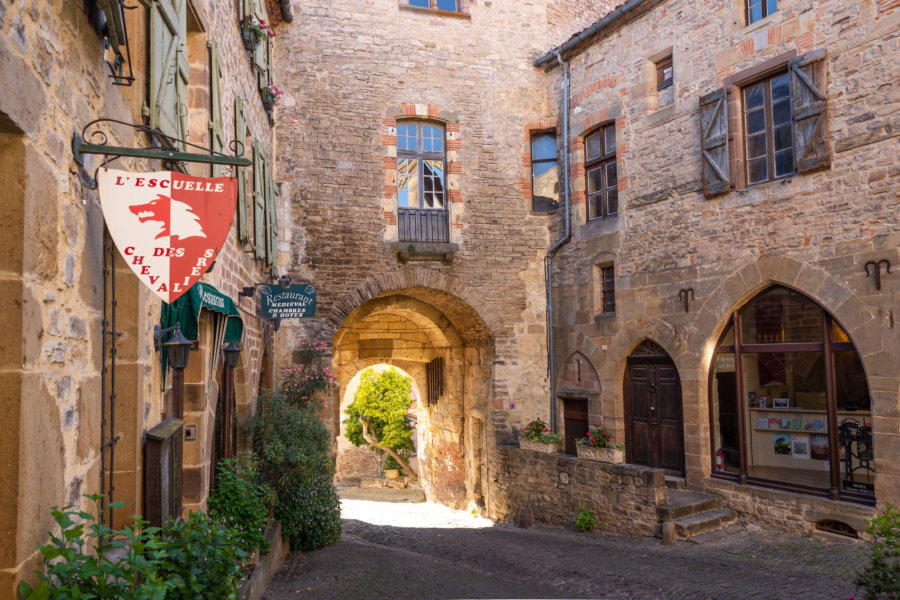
(760, 9)
(421, 182)
(607, 289)
(600, 172)
(544, 173)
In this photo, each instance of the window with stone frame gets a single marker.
(665, 73)
(544, 172)
(600, 172)
(766, 123)
(760, 9)
(608, 289)
(421, 182)
(445, 5)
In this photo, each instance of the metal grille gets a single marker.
(434, 372)
(423, 225)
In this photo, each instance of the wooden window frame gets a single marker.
(536, 134)
(607, 289)
(433, 7)
(765, 10)
(420, 155)
(602, 161)
(661, 82)
(769, 128)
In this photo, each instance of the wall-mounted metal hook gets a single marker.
(876, 270)
(686, 296)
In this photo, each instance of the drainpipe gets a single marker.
(548, 260)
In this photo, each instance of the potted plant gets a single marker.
(270, 95)
(254, 31)
(536, 436)
(600, 445)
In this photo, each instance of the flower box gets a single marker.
(529, 444)
(613, 456)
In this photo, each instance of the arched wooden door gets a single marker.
(653, 410)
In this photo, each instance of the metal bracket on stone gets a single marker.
(168, 152)
(876, 270)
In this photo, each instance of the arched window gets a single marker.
(789, 402)
(421, 182)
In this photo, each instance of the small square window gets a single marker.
(760, 9)
(664, 73)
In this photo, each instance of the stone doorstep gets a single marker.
(705, 522)
(674, 483)
(716, 536)
(684, 503)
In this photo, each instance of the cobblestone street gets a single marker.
(403, 550)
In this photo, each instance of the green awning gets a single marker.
(186, 310)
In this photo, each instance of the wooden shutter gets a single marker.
(259, 199)
(714, 143)
(240, 135)
(808, 89)
(271, 219)
(216, 126)
(168, 67)
(261, 54)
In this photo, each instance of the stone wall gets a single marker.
(811, 232)
(555, 487)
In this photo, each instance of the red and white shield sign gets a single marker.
(168, 226)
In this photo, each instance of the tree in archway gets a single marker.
(378, 414)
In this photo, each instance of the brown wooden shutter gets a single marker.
(714, 143)
(808, 89)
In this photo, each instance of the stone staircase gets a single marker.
(693, 516)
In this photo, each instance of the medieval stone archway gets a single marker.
(443, 344)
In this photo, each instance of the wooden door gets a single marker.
(575, 419)
(653, 399)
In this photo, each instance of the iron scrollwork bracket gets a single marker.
(876, 270)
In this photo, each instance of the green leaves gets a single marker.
(242, 502)
(381, 400)
(881, 579)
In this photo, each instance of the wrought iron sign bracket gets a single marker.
(80, 147)
(876, 270)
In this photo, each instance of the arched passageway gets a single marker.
(444, 346)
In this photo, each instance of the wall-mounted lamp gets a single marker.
(284, 282)
(178, 350)
(232, 354)
(276, 323)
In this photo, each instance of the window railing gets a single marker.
(423, 225)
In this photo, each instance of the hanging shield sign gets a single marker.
(168, 226)
(288, 303)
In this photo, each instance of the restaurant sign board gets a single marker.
(288, 303)
(168, 226)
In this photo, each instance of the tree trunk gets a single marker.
(376, 444)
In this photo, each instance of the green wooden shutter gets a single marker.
(272, 222)
(261, 54)
(240, 135)
(216, 127)
(714, 143)
(808, 88)
(168, 68)
(259, 202)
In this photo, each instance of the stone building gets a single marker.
(82, 384)
(732, 173)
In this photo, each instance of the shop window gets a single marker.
(771, 374)
(421, 182)
(778, 125)
(600, 170)
(760, 9)
(544, 173)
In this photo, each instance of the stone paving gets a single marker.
(461, 556)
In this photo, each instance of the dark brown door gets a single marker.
(575, 417)
(654, 401)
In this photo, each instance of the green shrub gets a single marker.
(585, 519)
(242, 503)
(310, 513)
(539, 431)
(303, 385)
(881, 579)
(202, 559)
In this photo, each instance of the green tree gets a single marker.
(378, 414)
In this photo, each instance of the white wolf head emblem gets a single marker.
(177, 218)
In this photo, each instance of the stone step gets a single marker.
(684, 503)
(674, 483)
(717, 536)
(705, 522)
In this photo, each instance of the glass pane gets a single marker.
(754, 97)
(594, 146)
(771, 6)
(667, 73)
(433, 183)
(786, 415)
(728, 340)
(726, 414)
(757, 170)
(543, 147)
(612, 202)
(780, 87)
(781, 112)
(854, 412)
(595, 180)
(432, 139)
(784, 163)
(595, 206)
(422, 3)
(407, 182)
(756, 145)
(446, 4)
(611, 175)
(545, 181)
(783, 137)
(406, 137)
(610, 133)
(756, 11)
(838, 334)
(756, 121)
(780, 315)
